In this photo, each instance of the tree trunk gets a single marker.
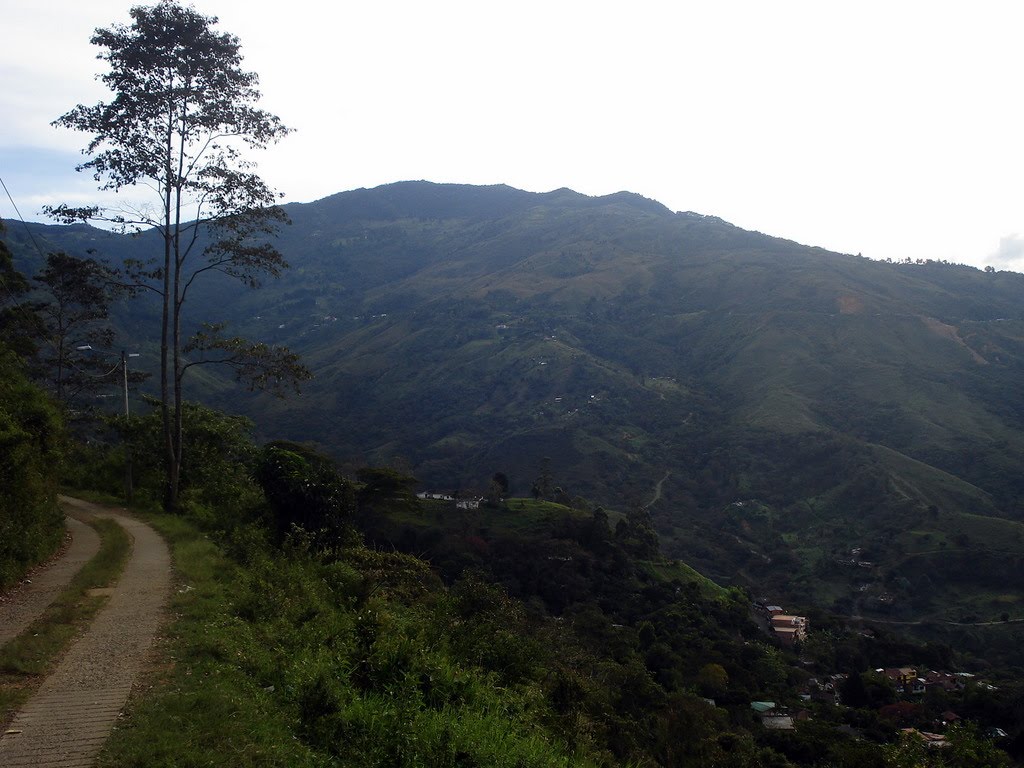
(170, 454)
(177, 441)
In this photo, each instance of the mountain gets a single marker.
(824, 428)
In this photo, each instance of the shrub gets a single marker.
(31, 524)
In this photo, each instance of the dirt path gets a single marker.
(25, 603)
(66, 722)
(657, 490)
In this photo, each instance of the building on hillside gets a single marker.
(789, 629)
(788, 636)
(460, 503)
(822, 691)
(947, 681)
(777, 722)
(904, 679)
(949, 717)
(931, 740)
(435, 496)
(775, 718)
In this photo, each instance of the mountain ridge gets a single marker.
(458, 331)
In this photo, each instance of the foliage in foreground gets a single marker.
(31, 525)
(291, 658)
(557, 640)
(313, 649)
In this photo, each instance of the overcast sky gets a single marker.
(891, 129)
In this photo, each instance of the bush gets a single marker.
(216, 484)
(304, 492)
(31, 525)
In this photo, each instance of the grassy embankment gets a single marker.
(284, 658)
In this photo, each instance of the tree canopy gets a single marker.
(74, 321)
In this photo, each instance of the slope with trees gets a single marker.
(854, 404)
(550, 638)
(73, 311)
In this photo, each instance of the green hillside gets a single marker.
(797, 404)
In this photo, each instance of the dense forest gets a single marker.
(31, 432)
(354, 620)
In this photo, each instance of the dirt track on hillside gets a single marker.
(67, 720)
(25, 603)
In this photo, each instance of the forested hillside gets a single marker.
(825, 427)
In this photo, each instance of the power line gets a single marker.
(21, 218)
(27, 317)
(117, 365)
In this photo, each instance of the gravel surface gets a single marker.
(26, 602)
(66, 722)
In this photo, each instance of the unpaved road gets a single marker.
(66, 722)
(26, 602)
(657, 490)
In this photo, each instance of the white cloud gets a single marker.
(1010, 254)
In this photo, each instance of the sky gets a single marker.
(892, 130)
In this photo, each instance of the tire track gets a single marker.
(67, 720)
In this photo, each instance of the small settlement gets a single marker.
(460, 502)
(909, 685)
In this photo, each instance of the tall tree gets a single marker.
(182, 116)
(73, 315)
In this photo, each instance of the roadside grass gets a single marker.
(280, 658)
(28, 658)
(203, 709)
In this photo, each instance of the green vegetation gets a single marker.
(458, 331)
(75, 306)
(323, 619)
(967, 749)
(28, 658)
(309, 646)
(822, 429)
(286, 658)
(31, 432)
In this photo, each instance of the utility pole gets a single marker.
(128, 486)
(129, 490)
